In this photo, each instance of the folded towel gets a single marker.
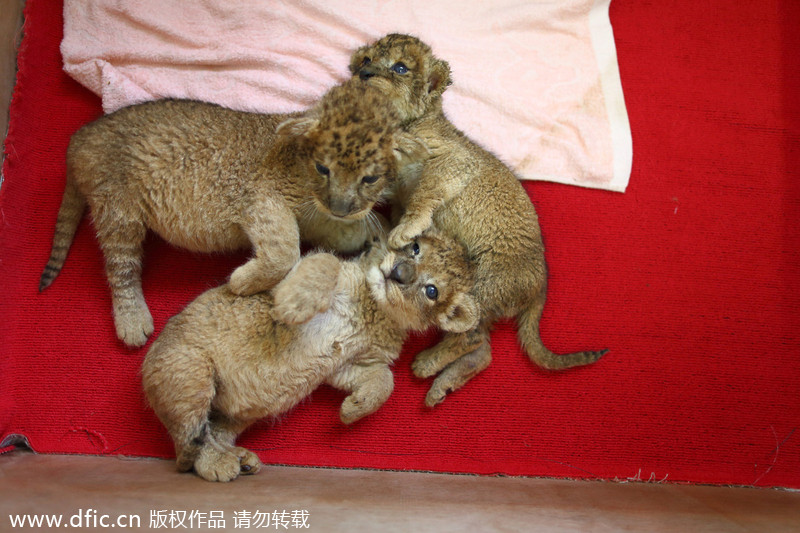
(535, 82)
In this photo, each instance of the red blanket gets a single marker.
(691, 279)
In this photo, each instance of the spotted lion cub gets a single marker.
(472, 196)
(211, 179)
(227, 360)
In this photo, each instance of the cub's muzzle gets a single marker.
(403, 273)
(366, 73)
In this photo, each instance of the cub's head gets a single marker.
(405, 69)
(425, 284)
(353, 148)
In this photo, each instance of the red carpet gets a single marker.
(691, 278)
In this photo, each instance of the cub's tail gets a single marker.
(528, 333)
(69, 216)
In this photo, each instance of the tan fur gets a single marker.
(212, 179)
(469, 194)
(228, 360)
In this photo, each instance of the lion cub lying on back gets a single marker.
(211, 179)
(226, 360)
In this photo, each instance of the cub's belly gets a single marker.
(278, 381)
(200, 234)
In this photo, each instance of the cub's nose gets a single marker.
(340, 207)
(402, 273)
(366, 73)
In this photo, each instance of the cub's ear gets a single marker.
(407, 146)
(439, 78)
(296, 127)
(461, 315)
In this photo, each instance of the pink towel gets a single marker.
(535, 82)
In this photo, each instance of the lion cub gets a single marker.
(470, 195)
(227, 360)
(211, 179)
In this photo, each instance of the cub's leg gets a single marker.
(442, 179)
(459, 357)
(219, 459)
(307, 290)
(369, 387)
(452, 346)
(458, 373)
(272, 229)
(179, 385)
(120, 235)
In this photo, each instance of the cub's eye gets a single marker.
(431, 292)
(369, 179)
(415, 249)
(366, 61)
(400, 68)
(325, 171)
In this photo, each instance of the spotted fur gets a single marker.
(470, 195)
(211, 179)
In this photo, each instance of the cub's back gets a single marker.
(163, 139)
(493, 210)
(493, 217)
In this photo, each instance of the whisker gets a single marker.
(307, 211)
(375, 224)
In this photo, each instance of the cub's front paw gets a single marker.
(405, 233)
(133, 323)
(250, 278)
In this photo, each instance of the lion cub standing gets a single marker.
(212, 179)
(227, 360)
(470, 195)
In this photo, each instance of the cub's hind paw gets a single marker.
(249, 463)
(298, 308)
(213, 464)
(221, 467)
(306, 290)
(435, 396)
(353, 409)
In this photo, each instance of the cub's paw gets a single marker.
(306, 290)
(427, 364)
(355, 407)
(252, 277)
(436, 395)
(133, 323)
(443, 385)
(457, 373)
(217, 465)
(226, 464)
(405, 233)
(249, 463)
(298, 309)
